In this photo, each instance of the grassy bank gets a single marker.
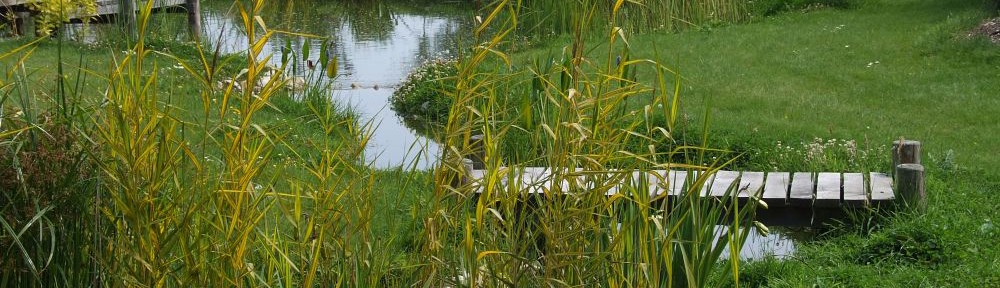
(873, 73)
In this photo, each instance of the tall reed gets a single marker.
(218, 211)
(548, 16)
(564, 230)
(193, 189)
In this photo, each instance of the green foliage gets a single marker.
(772, 7)
(423, 99)
(53, 13)
(543, 18)
(913, 246)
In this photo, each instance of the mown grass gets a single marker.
(872, 73)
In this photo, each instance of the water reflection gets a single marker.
(757, 247)
(375, 54)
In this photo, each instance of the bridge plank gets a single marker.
(677, 180)
(751, 184)
(776, 188)
(828, 190)
(855, 190)
(881, 190)
(802, 190)
(721, 182)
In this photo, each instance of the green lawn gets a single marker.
(803, 75)
(873, 73)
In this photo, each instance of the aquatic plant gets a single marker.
(423, 100)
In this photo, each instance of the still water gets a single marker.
(373, 60)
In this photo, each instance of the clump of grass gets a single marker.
(904, 246)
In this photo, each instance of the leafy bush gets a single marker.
(771, 7)
(44, 177)
(423, 100)
(52, 13)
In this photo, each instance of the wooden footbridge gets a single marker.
(791, 198)
(106, 9)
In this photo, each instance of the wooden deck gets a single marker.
(104, 7)
(793, 199)
(777, 189)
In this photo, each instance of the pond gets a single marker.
(377, 47)
(374, 55)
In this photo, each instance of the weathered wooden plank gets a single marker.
(751, 184)
(855, 190)
(676, 184)
(802, 189)
(634, 181)
(881, 189)
(827, 190)
(13, 2)
(776, 188)
(779, 188)
(721, 183)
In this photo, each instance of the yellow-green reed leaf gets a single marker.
(314, 260)
(549, 131)
(12, 132)
(481, 255)
(187, 68)
(489, 18)
(260, 21)
(496, 214)
(331, 68)
(503, 56)
(637, 157)
(22, 47)
(618, 5)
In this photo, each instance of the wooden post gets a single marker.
(127, 18)
(20, 20)
(905, 152)
(910, 186)
(194, 19)
(478, 155)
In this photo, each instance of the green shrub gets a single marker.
(423, 100)
(771, 7)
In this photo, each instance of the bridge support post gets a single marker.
(909, 174)
(194, 18)
(18, 24)
(910, 186)
(905, 151)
